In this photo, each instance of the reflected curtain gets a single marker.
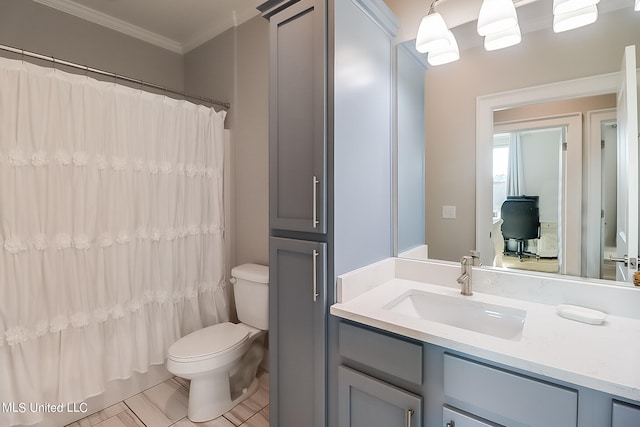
(515, 173)
(111, 232)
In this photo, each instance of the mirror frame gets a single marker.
(486, 105)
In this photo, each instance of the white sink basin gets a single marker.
(461, 312)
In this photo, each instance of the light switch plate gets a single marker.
(449, 212)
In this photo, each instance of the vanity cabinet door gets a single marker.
(297, 329)
(625, 415)
(297, 143)
(365, 401)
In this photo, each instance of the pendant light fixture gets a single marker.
(506, 38)
(446, 54)
(566, 6)
(496, 16)
(433, 32)
(637, 7)
(575, 19)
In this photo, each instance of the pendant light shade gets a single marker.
(432, 33)
(575, 19)
(637, 7)
(496, 16)
(566, 6)
(503, 39)
(446, 54)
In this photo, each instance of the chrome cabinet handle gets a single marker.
(409, 415)
(315, 275)
(315, 202)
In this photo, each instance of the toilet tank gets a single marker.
(251, 294)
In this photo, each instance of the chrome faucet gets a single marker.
(466, 262)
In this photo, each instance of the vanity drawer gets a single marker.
(507, 398)
(394, 356)
(624, 414)
(452, 417)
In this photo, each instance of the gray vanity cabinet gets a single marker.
(297, 148)
(376, 372)
(507, 398)
(625, 415)
(368, 402)
(297, 328)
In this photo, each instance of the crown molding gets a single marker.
(216, 30)
(115, 24)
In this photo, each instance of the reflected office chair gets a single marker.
(521, 222)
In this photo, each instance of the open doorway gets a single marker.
(528, 168)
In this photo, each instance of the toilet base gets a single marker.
(205, 405)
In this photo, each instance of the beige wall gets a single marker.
(235, 66)
(252, 142)
(451, 91)
(31, 26)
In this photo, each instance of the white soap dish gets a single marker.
(581, 314)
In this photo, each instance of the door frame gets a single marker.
(593, 253)
(569, 252)
(486, 105)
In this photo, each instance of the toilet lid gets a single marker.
(208, 341)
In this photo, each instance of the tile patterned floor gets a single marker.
(165, 405)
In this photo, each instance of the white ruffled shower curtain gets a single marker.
(111, 232)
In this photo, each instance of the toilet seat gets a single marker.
(208, 342)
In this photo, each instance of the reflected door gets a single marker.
(627, 224)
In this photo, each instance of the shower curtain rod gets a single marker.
(115, 76)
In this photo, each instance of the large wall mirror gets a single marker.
(546, 88)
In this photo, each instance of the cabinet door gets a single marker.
(297, 328)
(297, 145)
(625, 415)
(364, 401)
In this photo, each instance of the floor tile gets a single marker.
(258, 420)
(249, 407)
(100, 416)
(265, 412)
(166, 405)
(106, 413)
(218, 422)
(263, 380)
(150, 414)
(171, 398)
(123, 419)
(184, 383)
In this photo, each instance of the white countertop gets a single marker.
(602, 357)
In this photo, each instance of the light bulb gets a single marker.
(446, 54)
(503, 39)
(496, 16)
(575, 19)
(432, 33)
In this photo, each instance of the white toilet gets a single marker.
(221, 360)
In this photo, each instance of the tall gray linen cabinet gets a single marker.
(330, 196)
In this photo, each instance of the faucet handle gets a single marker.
(475, 255)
